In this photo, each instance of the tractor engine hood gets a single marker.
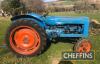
(59, 20)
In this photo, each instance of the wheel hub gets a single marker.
(25, 40)
(84, 46)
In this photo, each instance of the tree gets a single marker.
(83, 6)
(11, 6)
(15, 7)
(34, 5)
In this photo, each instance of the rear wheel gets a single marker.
(26, 38)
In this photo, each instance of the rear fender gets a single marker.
(29, 17)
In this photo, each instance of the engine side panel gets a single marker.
(69, 27)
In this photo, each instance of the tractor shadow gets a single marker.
(63, 40)
(65, 62)
(66, 40)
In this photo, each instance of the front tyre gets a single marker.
(26, 38)
(83, 46)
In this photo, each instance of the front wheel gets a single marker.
(26, 38)
(83, 46)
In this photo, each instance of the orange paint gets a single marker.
(85, 46)
(24, 40)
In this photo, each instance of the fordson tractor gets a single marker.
(28, 34)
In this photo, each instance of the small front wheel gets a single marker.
(83, 46)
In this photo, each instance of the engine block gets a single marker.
(56, 31)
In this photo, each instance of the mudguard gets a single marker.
(34, 17)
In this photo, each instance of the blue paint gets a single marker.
(61, 26)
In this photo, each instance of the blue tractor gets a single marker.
(28, 34)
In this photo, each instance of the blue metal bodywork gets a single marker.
(60, 26)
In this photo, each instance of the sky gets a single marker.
(49, 0)
(1, 0)
(43, 0)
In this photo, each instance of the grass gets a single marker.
(53, 54)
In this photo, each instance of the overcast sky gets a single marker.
(49, 0)
(43, 0)
(1, 0)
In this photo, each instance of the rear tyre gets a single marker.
(26, 38)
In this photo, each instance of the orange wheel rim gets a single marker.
(84, 46)
(24, 40)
